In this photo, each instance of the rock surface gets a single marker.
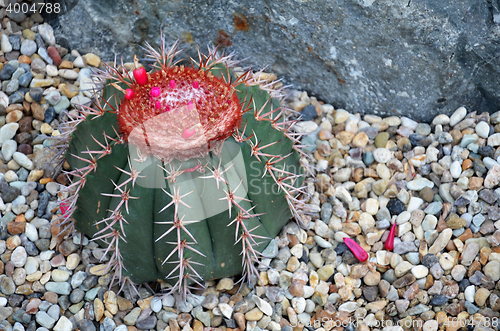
(409, 58)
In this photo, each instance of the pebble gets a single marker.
(419, 184)
(457, 116)
(382, 155)
(28, 47)
(47, 33)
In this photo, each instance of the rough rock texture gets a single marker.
(415, 58)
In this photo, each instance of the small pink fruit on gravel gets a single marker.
(358, 252)
(389, 244)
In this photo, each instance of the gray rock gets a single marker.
(146, 323)
(45, 320)
(5, 312)
(108, 324)
(62, 288)
(28, 47)
(361, 55)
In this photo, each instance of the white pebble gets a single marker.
(493, 140)
(469, 293)
(8, 149)
(31, 265)
(382, 155)
(409, 123)
(414, 204)
(52, 187)
(156, 305)
(31, 232)
(47, 33)
(305, 127)
(68, 74)
(81, 101)
(10, 176)
(322, 165)
(23, 160)
(441, 119)
(456, 169)
(19, 257)
(457, 116)
(419, 271)
(341, 116)
(419, 183)
(299, 305)
(168, 301)
(6, 45)
(52, 70)
(8, 131)
(483, 129)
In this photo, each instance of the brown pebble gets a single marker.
(20, 218)
(16, 227)
(475, 266)
(292, 240)
(455, 222)
(441, 224)
(240, 320)
(296, 289)
(44, 181)
(62, 179)
(14, 116)
(24, 59)
(345, 137)
(23, 138)
(457, 136)
(429, 281)
(475, 183)
(466, 164)
(411, 292)
(484, 254)
(338, 128)
(68, 90)
(406, 280)
(66, 65)
(50, 297)
(38, 111)
(451, 246)
(325, 134)
(13, 107)
(427, 194)
(466, 235)
(25, 149)
(32, 306)
(54, 55)
(27, 107)
(357, 175)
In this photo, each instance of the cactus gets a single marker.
(184, 173)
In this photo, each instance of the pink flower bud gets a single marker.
(155, 92)
(140, 75)
(129, 94)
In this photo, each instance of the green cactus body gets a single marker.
(202, 217)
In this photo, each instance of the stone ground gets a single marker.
(438, 182)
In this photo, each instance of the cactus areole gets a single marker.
(183, 173)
